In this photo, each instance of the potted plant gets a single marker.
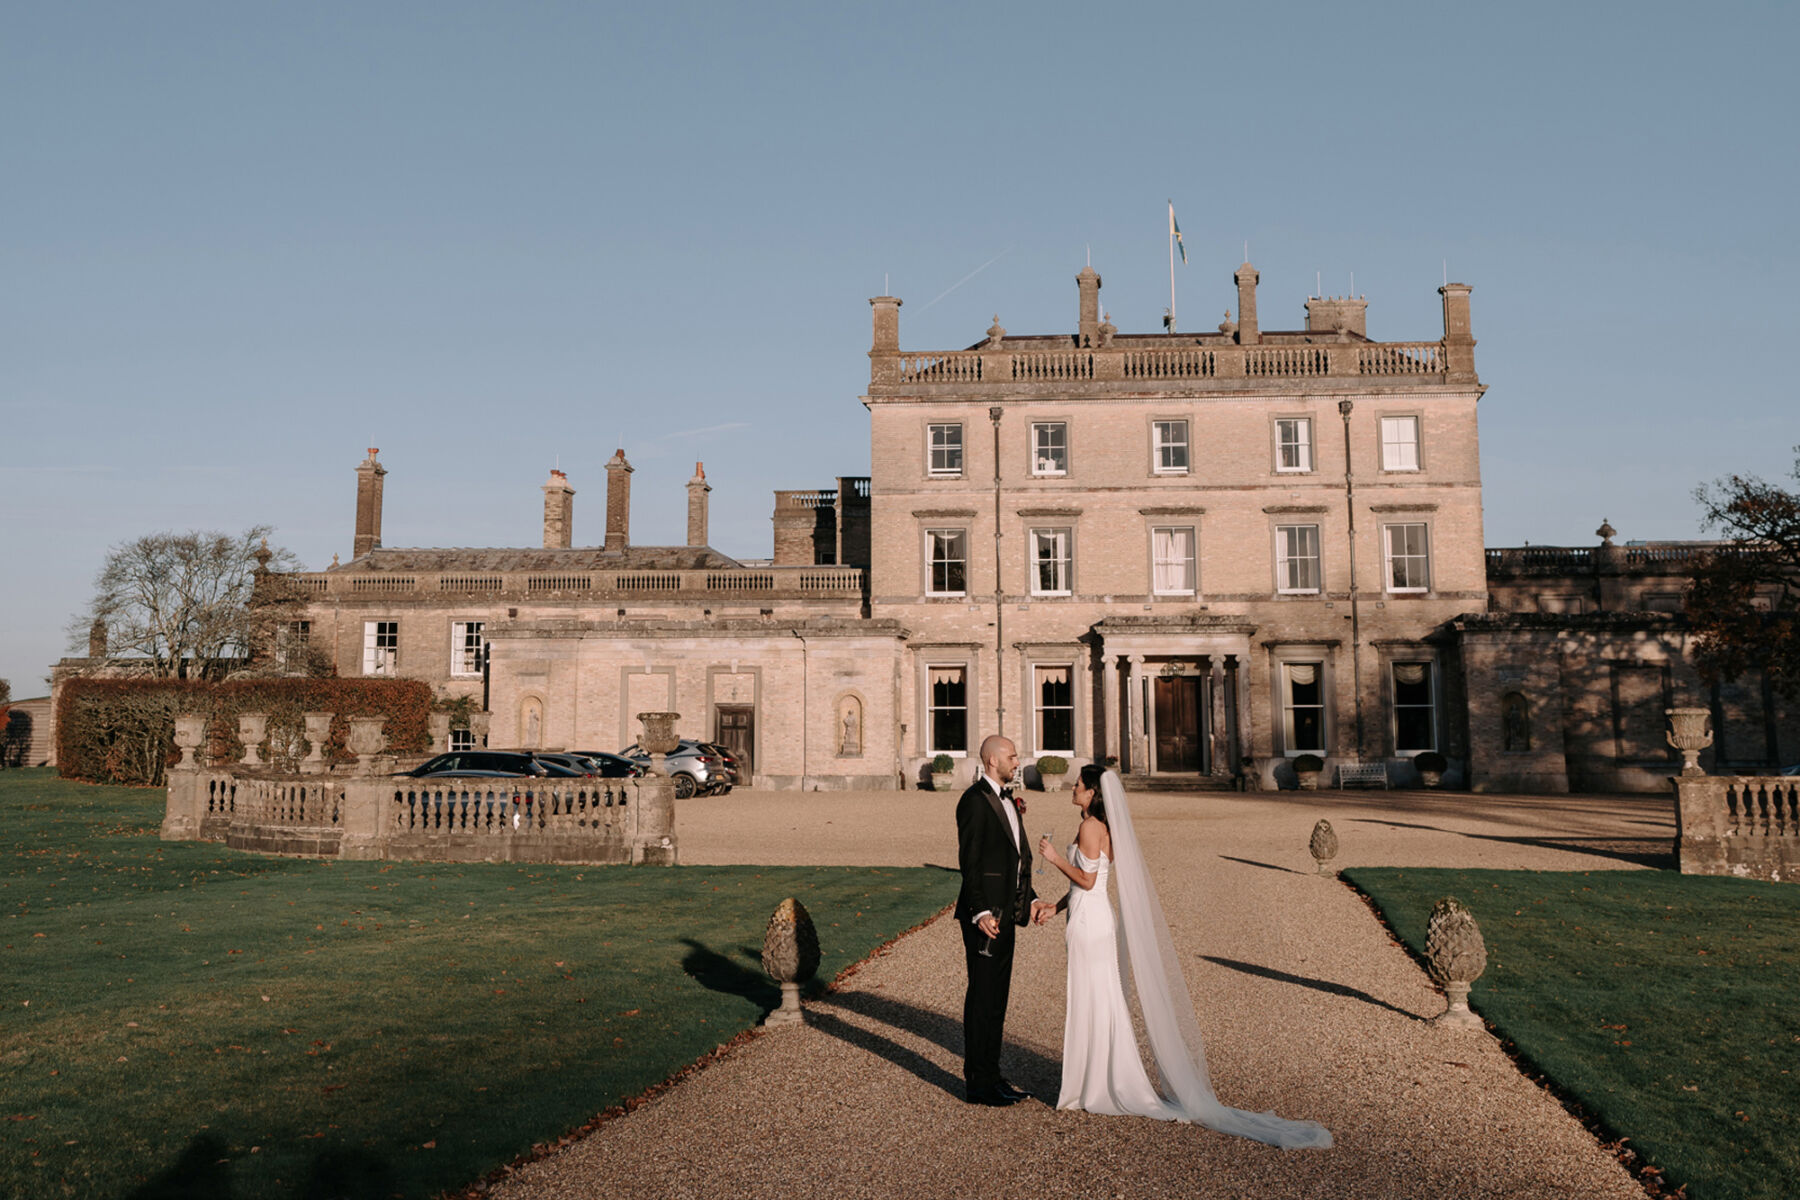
(1051, 770)
(943, 773)
(1430, 765)
(1110, 762)
(1306, 770)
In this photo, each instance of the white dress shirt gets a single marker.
(1012, 825)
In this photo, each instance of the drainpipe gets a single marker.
(994, 415)
(805, 709)
(1345, 407)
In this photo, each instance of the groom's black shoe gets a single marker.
(1012, 1093)
(991, 1098)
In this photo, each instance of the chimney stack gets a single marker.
(368, 505)
(1247, 278)
(1088, 281)
(1459, 344)
(559, 512)
(697, 490)
(618, 502)
(887, 324)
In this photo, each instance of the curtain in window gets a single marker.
(1303, 673)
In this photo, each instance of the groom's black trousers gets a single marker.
(984, 1008)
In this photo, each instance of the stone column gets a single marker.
(365, 799)
(651, 823)
(1221, 745)
(1246, 730)
(1140, 724)
(185, 806)
(1109, 707)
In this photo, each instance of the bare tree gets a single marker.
(186, 603)
(1744, 603)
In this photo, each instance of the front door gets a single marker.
(1180, 735)
(737, 733)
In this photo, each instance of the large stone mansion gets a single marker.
(1202, 554)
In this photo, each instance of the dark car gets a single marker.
(727, 760)
(503, 764)
(609, 765)
(691, 767)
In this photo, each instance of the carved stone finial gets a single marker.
(996, 333)
(1606, 533)
(263, 555)
(1324, 847)
(1228, 327)
(790, 955)
(1107, 330)
(1455, 955)
(334, 560)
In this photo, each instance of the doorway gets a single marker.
(737, 733)
(1181, 741)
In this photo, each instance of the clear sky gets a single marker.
(239, 243)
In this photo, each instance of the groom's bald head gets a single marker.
(999, 757)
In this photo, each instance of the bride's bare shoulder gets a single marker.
(1092, 837)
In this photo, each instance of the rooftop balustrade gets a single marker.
(1024, 362)
(774, 583)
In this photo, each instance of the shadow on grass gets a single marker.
(1317, 985)
(203, 1172)
(1251, 862)
(1655, 853)
(721, 973)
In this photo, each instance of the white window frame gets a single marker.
(1188, 566)
(1052, 438)
(292, 640)
(1301, 444)
(1285, 560)
(1040, 676)
(932, 560)
(461, 645)
(1061, 543)
(932, 708)
(1289, 708)
(381, 649)
(1396, 450)
(462, 741)
(939, 450)
(1164, 442)
(1430, 705)
(1408, 555)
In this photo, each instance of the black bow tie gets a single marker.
(1006, 793)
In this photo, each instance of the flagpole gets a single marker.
(1171, 266)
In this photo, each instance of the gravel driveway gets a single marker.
(1308, 1007)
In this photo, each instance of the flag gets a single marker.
(1175, 232)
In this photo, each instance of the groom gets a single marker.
(996, 899)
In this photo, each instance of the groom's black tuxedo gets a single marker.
(996, 878)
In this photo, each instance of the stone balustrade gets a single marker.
(1022, 362)
(1742, 825)
(452, 819)
(774, 583)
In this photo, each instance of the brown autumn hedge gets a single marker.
(123, 730)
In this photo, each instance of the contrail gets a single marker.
(972, 274)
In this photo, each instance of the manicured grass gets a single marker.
(1665, 1005)
(182, 1019)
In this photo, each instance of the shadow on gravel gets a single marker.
(1251, 862)
(1026, 1068)
(1655, 853)
(1317, 985)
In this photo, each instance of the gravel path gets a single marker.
(1307, 1006)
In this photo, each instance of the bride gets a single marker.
(1102, 1071)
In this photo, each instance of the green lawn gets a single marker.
(1666, 1005)
(185, 1020)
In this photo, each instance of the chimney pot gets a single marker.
(559, 512)
(369, 475)
(618, 502)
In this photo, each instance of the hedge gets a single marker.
(123, 730)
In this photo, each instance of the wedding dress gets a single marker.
(1102, 1070)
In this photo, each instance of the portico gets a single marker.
(1173, 693)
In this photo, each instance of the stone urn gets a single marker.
(659, 738)
(367, 741)
(790, 954)
(1324, 847)
(479, 724)
(318, 735)
(252, 729)
(1688, 734)
(1431, 767)
(1455, 955)
(439, 723)
(943, 773)
(1306, 771)
(190, 731)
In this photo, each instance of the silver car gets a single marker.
(691, 766)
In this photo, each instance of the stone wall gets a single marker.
(1739, 825)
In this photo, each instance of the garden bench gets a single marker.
(1362, 773)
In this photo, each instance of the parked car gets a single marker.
(504, 764)
(692, 767)
(599, 763)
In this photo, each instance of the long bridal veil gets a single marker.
(1146, 948)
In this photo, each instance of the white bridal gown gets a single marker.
(1102, 1069)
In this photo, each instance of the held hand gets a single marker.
(1042, 910)
(989, 925)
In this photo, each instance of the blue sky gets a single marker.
(241, 243)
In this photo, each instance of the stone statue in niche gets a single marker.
(1515, 723)
(531, 724)
(850, 728)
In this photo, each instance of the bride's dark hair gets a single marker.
(1090, 779)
